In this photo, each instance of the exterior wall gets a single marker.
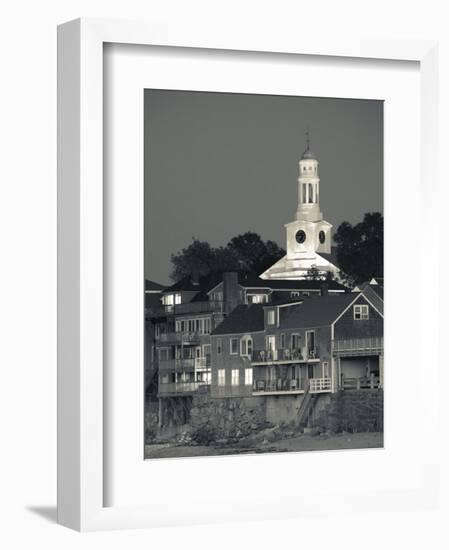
(349, 328)
(228, 362)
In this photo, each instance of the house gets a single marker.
(318, 344)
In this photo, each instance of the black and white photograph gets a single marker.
(263, 274)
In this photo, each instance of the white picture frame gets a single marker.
(81, 406)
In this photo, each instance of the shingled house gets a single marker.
(318, 344)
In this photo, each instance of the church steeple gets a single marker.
(308, 236)
(308, 186)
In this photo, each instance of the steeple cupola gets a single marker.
(308, 186)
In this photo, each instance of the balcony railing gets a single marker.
(320, 385)
(180, 337)
(183, 388)
(284, 356)
(203, 362)
(213, 306)
(359, 345)
(177, 364)
(279, 385)
(371, 383)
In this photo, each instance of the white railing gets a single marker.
(319, 385)
(374, 343)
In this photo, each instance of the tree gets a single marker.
(247, 252)
(254, 254)
(201, 259)
(360, 249)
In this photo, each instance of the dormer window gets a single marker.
(361, 312)
(271, 317)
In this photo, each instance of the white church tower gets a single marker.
(308, 234)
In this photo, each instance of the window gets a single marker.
(246, 346)
(361, 312)
(257, 298)
(234, 344)
(325, 369)
(295, 294)
(177, 298)
(163, 354)
(295, 341)
(248, 377)
(221, 377)
(219, 346)
(282, 341)
(235, 377)
(270, 317)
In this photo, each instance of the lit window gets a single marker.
(257, 298)
(271, 318)
(248, 377)
(295, 294)
(234, 343)
(361, 312)
(235, 377)
(221, 377)
(177, 298)
(219, 346)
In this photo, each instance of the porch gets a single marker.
(284, 356)
(361, 383)
(292, 386)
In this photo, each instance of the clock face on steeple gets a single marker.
(300, 236)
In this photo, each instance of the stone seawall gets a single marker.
(351, 411)
(229, 417)
(208, 420)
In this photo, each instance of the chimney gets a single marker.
(230, 291)
(324, 288)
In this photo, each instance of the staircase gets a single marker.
(306, 408)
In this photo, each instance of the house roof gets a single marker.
(204, 283)
(241, 320)
(152, 286)
(315, 311)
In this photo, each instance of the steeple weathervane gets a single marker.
(308, 138)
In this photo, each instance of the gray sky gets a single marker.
(217, 165)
